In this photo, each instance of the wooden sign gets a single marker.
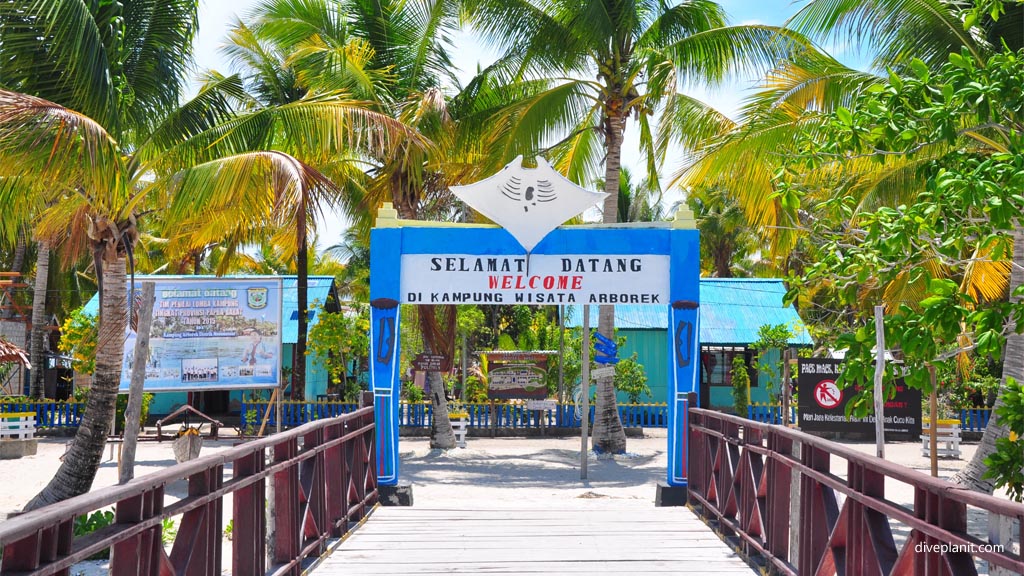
(430, 363)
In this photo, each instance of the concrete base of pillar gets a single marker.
(395, 495)
(11, 449)
(670, 495)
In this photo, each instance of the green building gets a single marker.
(732, 310)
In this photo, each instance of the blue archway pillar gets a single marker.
(392, 239)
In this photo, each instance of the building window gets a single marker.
(716, 364)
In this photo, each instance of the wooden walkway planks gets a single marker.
(602, 538)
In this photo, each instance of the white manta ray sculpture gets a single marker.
(528, 202)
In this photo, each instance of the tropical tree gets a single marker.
(401, 47)
(725, 236)
(639, 54)
(133, 150)
(966, 218)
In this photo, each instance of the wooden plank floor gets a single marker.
(598, 537)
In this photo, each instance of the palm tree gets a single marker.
(803, 91)
(98, 173)
(638, 55)
(725, 237)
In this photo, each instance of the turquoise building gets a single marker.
(732, 310)
(322, 294)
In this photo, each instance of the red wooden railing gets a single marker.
(773, 491)
(323, 482)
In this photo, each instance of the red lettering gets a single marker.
(519, 283)
(549, 282)
(492, 282)
(506, 282)
(533, 282)
(577, 282)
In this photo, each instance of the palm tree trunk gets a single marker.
(82, 460)
(441, 433)
(972, 475)
(37, 388)
(609, 437)
(17, 263)
(302, 286)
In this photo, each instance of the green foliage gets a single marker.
(772, 337)
(631, 378)
(169, 531)
(249, 422)
(89, 523)
(337, 339)
(78, 340)
(937, 261)
(82, 395)
(476, 390)
(412, 392)
(229, 530)
(740, 386)
(1006, 463)
(960, 391)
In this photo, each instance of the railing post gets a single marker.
(817, 504)
(139, 554)
(286, 506)
(197, 548)
(779, 478)
(249, 545)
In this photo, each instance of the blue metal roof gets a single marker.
(319, 290)
(731, 312)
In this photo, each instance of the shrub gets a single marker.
(1006, 464)
(412, 392)
(89, 523)
(740, 386)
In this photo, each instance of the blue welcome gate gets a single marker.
(441, 263)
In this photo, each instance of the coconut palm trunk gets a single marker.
(37, 388)
(972, 475)
(437, 323)
(441, 433)
(82, 460)
(302, 297)
(609, 436)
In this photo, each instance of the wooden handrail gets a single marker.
(743, 475)
(305, 497)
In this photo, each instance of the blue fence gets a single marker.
(769, 413)
(975, 419)
(49, 414)
(420, 415)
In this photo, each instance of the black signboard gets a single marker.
(430, 363)
(823, 404)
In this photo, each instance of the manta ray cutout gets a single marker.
(528, 202)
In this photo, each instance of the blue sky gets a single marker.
(217, 16)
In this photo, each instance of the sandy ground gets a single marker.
(508, 470)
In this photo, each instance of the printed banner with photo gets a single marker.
(211, 334)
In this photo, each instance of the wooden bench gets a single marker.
(17, 425)
(947, 439)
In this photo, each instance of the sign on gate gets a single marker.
(823, 404)
(532, 259)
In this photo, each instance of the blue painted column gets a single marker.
(385, 265)
(683, 344)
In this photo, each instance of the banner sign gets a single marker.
(211, 334)
(823, 404)
(535, 279)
